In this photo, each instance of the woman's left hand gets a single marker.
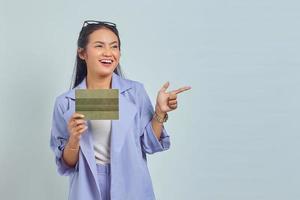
(167, 101)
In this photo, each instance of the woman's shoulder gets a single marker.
(68, 93)
(136, 85)
(62, 99)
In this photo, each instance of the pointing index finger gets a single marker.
(182, 89)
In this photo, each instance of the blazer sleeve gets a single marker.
(59, 138)
(149, 142)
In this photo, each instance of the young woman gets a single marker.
(106, 159)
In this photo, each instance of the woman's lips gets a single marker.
(106, 62)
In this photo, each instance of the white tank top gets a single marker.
(101, 134)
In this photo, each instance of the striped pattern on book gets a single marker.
(97, 104)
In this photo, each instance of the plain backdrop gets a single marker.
(235, 135)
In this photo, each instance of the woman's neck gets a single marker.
(98, 82)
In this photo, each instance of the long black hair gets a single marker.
(80, 68)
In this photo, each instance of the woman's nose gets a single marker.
(107, 52)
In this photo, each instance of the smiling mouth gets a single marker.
(106, 61)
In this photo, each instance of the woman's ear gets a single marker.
(81, 53)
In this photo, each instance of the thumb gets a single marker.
(165, 87)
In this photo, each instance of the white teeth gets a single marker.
(106, 61)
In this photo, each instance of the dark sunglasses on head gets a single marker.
(94, 22)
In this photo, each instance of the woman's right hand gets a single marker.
(76, 127)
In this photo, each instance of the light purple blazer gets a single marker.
(132, 138)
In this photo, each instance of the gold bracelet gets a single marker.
(159, 119)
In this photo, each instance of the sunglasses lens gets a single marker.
(91, 22)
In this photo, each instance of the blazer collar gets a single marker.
(117, 83)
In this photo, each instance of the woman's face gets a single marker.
(102, 53)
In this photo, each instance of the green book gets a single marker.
(97, 104)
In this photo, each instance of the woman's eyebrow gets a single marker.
(104, 42)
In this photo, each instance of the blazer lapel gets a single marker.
(127, 112)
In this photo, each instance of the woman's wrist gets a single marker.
(159, 112)
(73, 143)
(160, 116)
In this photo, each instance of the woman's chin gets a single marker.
(105, 72)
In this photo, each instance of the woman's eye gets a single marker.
(115, 47)
(99, 46)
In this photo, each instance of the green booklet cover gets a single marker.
(97, 104)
